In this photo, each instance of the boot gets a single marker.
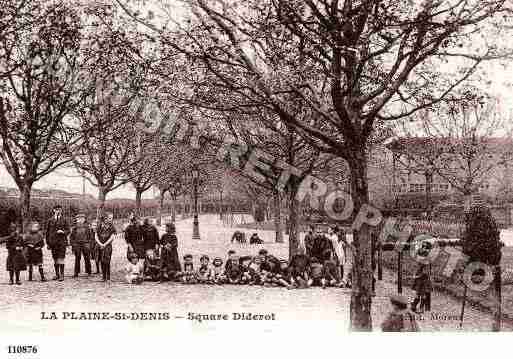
(97, 267)
(11, 277)
(42, 274)
(30, 274)
(104, 272)
(56, 267)
(61, 277)
(18, 278)
(107, 267)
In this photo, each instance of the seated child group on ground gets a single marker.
(162, 265)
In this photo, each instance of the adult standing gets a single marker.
(57, 230)
(333, 236)
(105, 236)
(80, 240)
(134, 238)
(170, 262)
(309, 241)
(150, 236)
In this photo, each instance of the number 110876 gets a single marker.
(22, 349)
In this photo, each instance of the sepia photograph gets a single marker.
(267, 168)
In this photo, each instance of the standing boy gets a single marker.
(80, 240)
(57, 230)
(105, 236)
(35, 243)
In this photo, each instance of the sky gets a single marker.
(69, 180)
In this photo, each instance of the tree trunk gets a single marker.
(161, 207)
(360, 307)
(429, 185)
(138, 200)
(25, 192)
(277, 218)
(173, 209)
(498, 293)
(467, 201)
(293, 224)
(102, 195)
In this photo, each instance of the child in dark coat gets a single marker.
(244, 262)
(152, 266)
(234, 272)
(15, 259)
(298, 271)
(170, 264)
(422, 286)
(35, 243)
(317, 273)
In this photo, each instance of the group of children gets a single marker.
(262, 269)
(25, 250)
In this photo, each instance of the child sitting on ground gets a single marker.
(231, 253)
(188, 276)
(205, 275)
(331, 273)
(35, 243)
(255, 271)
(134, 270)
(298, 271)
(317, 273)
(282, 274)
(244, 262)
(234, 272)
(151, 266)
(218, 271)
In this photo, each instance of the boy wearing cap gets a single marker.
(80, 239)
(57, 230)
(400, 319)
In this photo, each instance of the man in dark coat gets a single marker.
(80, 239)
(134, 238)
(57, 230)
(105, 236)
(150, 236)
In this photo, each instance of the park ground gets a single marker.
(21, 306)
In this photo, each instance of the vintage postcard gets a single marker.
(285, 169)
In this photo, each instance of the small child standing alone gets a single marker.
(35, 243)
(15, 259)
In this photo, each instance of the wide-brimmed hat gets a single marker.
(399, 300)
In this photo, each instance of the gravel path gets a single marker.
(21, 306)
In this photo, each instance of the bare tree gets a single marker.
(41, 85)
(355, 64)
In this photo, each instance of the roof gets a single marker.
(425, 145)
